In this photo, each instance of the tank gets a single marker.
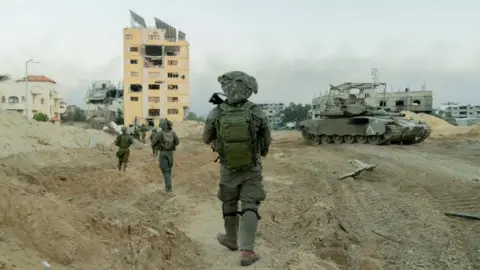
(344, 117)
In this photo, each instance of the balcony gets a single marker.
(13, 106)
(36, 91)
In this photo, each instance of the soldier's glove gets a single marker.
(264, 152)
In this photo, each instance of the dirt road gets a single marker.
(82, 214)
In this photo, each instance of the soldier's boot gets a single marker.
(167, 178)
(229, 238)
(247, 233)
(119, 166)
(124, 166)
(248, 257)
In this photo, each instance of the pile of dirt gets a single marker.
(443, 129)
(431, 120)
(63, 201)
(188, 128)
(19, 136)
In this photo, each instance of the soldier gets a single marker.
(240, 134)
(123, 141)
(154, 150)
(166, 141)
(143, 132)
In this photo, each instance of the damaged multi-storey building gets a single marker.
(104, 99)
(375, 95)
(156, 72)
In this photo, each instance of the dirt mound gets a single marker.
(188, 128)
(62, 201)
(443, 129)
(17, 135)
(431, 120)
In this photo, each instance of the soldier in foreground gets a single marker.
(154, 150)
(143, 132)
(123, 141)
(166, 141)
(240, 135)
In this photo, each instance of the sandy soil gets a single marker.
(67, 205)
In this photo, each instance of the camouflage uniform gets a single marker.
(143, 132)
(244, 185)
(123, 141)
(154, 149)
(166, 155)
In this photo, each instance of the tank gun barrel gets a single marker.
(384, 113)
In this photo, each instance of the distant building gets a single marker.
(104, 93)
(461, 111)
(156, 72)
(42, 96)
(274, 113)
(375, 95)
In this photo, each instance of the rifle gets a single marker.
(215, 99)
(213, 147)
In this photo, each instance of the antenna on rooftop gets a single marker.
(424, 86)
(375, 75)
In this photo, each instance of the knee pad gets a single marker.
(250, 209)
(231, 214)
(229, 210)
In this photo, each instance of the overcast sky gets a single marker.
(295, 49)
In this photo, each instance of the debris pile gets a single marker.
(443, 129)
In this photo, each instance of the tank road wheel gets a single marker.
(325, 139)
(374, 139)
(349, 139)
(337, 139)
(316, 140)
(361, 139)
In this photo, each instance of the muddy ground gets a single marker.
(80, 213)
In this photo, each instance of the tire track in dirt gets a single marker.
(395, 201)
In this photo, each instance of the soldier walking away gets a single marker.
(143, 132)
(166, 142)
(240, 134)
(123, 141)
(154, 149)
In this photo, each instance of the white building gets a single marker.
(42, 96)
(461, 111)
(273, 111)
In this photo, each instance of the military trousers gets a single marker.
(244, 187)
(166, 164)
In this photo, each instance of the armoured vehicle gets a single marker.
(345, 118)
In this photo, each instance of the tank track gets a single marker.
(393, 133)
(426, 134)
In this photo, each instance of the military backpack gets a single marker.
(168, 140)
(236, 136)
